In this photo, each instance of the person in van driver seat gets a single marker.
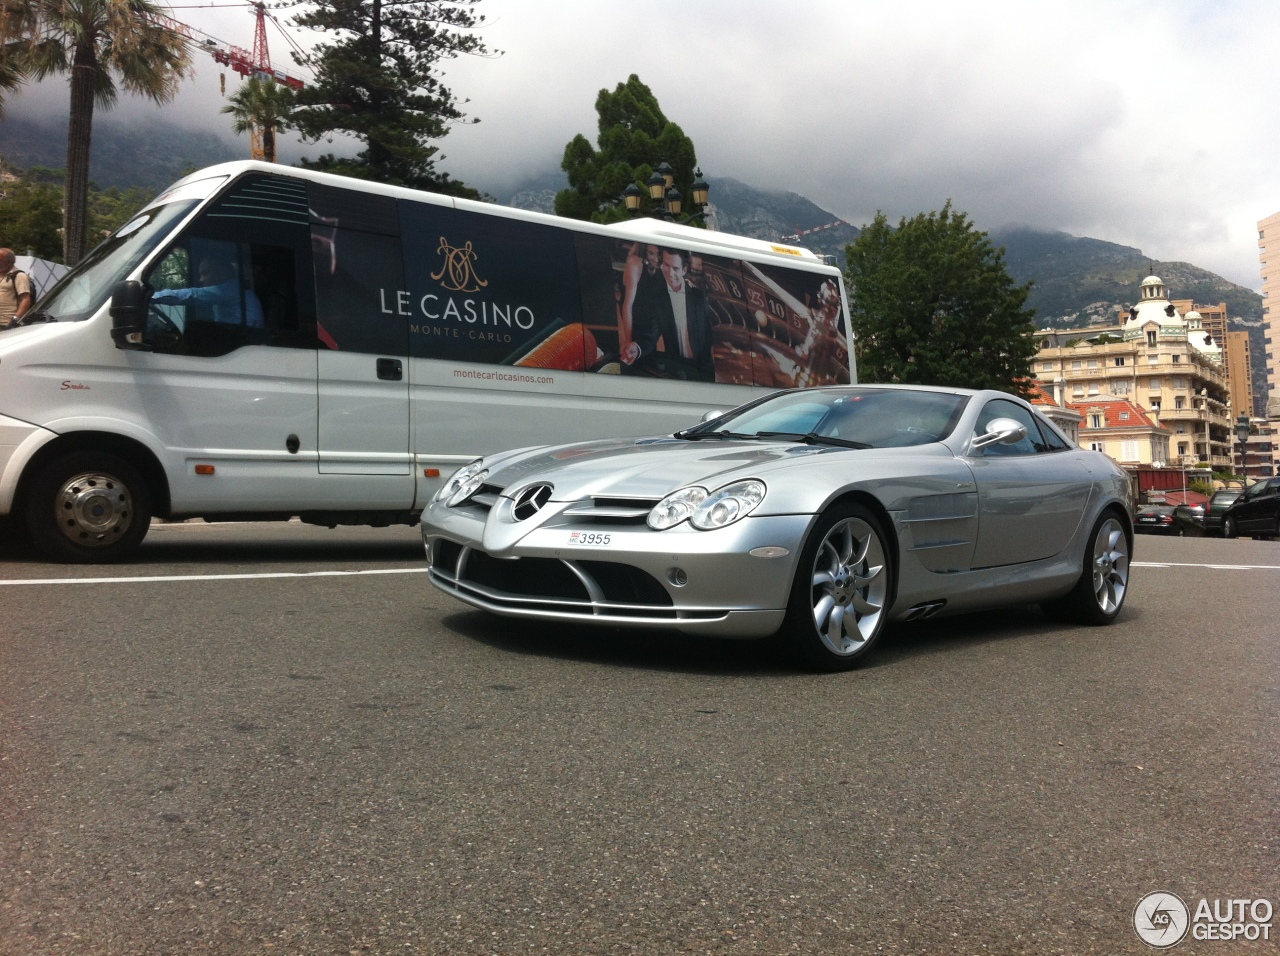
(219, 288)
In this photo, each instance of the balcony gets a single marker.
(1182, 415)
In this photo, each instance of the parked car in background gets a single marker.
(1222, 499)
(1182, 520)
(1154, 519)
(1189, 521)
(1256, 512)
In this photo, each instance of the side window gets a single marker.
(240, 275)
(1052, 441)
(210, 296)
(1032, 444)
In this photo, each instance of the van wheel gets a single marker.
(88, 507)
(1228, 528)
(1104, 581)
(840, 597)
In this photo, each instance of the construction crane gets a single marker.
(807, 232)
(240, 60)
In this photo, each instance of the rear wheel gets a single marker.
(1228, 527)
(1104, 581)
(88, 508)
(839, 599)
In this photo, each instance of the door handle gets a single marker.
(391, 370)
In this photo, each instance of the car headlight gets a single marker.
(462, 484)
(726, 505)
(705, 510)
(676, 507)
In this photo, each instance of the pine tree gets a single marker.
(379, 82)
(634, 136)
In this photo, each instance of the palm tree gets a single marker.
(15, 22)
(261, 104)
(96, 41)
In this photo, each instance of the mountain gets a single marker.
(151, 154)
(735, 207)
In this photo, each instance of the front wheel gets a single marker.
(1104, 581)
(840, 597)
(88, 508)
(1228, 527)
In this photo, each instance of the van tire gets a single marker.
(88, 507)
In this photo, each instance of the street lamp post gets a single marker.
(668, 202)
(1242, 433)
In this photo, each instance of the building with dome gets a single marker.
(1155, 384)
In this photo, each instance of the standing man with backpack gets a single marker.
(15, 291)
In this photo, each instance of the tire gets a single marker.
(1100, 591)
(1228, 527)
(88, 507)
(840, 597)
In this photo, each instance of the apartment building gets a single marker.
(1269, 235)
(1169, 372)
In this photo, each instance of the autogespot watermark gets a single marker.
(1162, 919)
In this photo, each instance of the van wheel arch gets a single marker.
(134, 452)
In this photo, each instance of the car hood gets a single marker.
(654, 467)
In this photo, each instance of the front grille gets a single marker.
(530, 577)
(567, 583)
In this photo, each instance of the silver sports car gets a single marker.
(818, 515)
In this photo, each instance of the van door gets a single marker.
(363, 376)
(230, 378)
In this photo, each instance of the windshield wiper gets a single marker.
(32, 317)
(690, 435)
(813, 438)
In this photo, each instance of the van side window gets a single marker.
(239, 275)
(210, 296)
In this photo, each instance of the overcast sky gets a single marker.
(1150, 123)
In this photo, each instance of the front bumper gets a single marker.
(697, 582)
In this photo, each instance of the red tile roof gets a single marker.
(1112, 409)
(1037, 393)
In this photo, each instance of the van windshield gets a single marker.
(83, 290)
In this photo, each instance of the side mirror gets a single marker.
(1001, 431)
(128, 314)
(711, 416)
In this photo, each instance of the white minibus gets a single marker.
(263, 342)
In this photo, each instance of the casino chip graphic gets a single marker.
(1161, 919)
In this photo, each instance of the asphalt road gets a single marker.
(219, 760)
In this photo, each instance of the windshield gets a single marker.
(868, 417)
(81, 292)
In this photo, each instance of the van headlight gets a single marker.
(463, 483)
(705, 510)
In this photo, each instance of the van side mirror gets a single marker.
(128, 314)
(1001, 431)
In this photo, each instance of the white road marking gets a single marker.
(1209, 567)
(165, 578)
(215, 577)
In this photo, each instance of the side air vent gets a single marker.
(266, 198)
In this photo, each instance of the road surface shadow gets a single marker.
(668, 650)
